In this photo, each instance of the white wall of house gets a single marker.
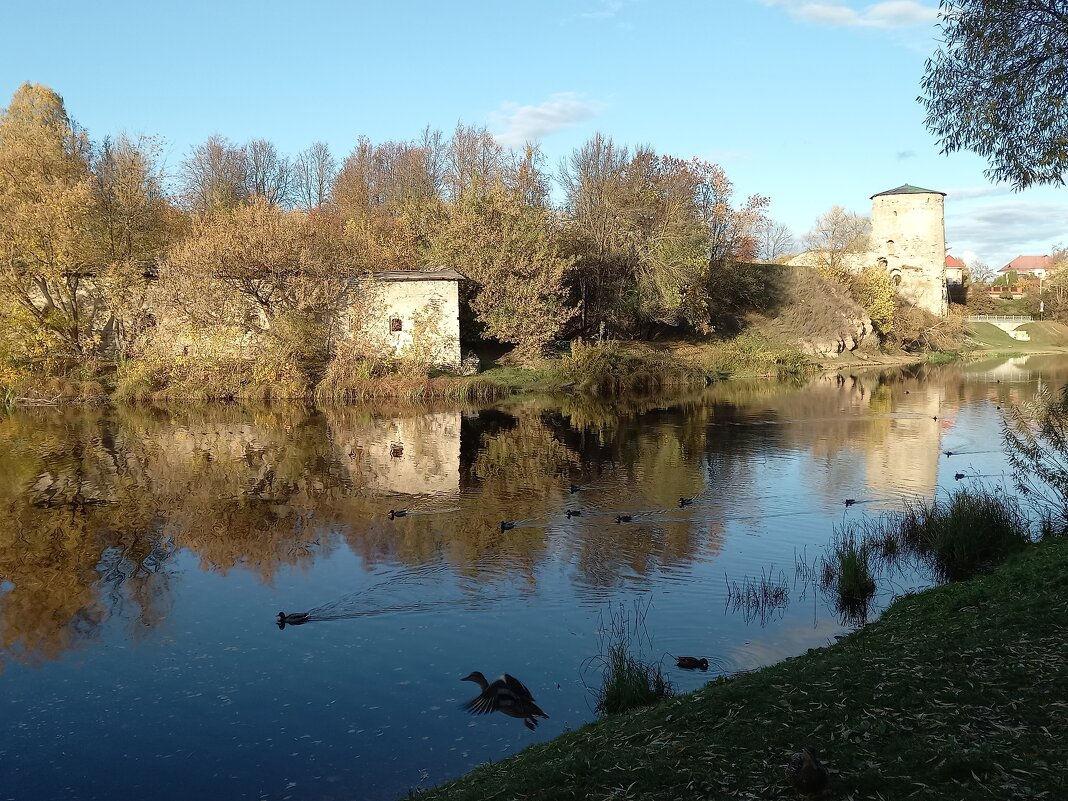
(409, 314)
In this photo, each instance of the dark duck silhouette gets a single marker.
(683, 502)
(850, 501)
(572, 513)
(806, 773)
(506, 694)
(395, 513)
(623, 518)
(293, 619)
(574, 488)
(691, 662)
(507, 525)
(958, 476)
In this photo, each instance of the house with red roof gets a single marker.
(1035, 266)
(954, 270)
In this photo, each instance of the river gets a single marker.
(145, 552)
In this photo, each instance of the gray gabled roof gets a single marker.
(908, 189)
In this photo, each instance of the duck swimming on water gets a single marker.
(506, 694)
(294, 619)
(507, 525)
(683, 502)
(572, 513)
(850, 501)
(958, 476)
(623, 518)
(394, 513)
(691, 662)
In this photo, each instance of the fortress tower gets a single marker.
(908, 238)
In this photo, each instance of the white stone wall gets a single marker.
(429, 314)
(908, 231)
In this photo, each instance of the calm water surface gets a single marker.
(144, 554)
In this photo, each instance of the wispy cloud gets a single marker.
(973, 192)
(1000, 230)
(604, 9)
(887, 14)
(515, 124)
(901, 155)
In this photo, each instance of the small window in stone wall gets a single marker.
(883, 262)
(895, 279)
(890, 246)
(395, 325)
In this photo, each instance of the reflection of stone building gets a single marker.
(905, 459)
(409, 455)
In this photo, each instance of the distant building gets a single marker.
(1036, 266)
(954, 270)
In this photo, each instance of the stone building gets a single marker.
(908, 238)
(406, 310)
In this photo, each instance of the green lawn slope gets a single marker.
(960, 692)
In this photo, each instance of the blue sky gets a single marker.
(810, 103)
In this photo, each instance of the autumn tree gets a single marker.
(79, 231)
(507, 247)
(652, 235)
(997, 87)
(257, 267)
(835, 241)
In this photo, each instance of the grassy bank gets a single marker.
(956, 693)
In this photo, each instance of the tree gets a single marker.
(835, 241)
(509, 249)
(57, 286)
(980, 272)
(215, 176)
(268, 174)
(774, 240)
(257, 265)
(998, 85)
(314, 175)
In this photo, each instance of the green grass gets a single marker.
(942, 357)
(960, 692)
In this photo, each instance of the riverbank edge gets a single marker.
(954, 692)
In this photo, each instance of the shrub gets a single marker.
(611, 368)
(628, 682)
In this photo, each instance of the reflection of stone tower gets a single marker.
(908, 237)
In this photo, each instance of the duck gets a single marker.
(395, 513)
(958, 476)
(691, 663)
(293, 619)
(623, 518)
(574, 488)
(850, 501)
(507, 525)
(683, 502)
(948, 453)
(806, 773)
(572, 513)
(506, 694)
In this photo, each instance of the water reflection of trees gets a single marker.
(96, 505)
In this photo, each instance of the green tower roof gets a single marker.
(909, 189)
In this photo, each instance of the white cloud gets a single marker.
(901, 155)
(1000, 230)
(515, 124)
(887, 14)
